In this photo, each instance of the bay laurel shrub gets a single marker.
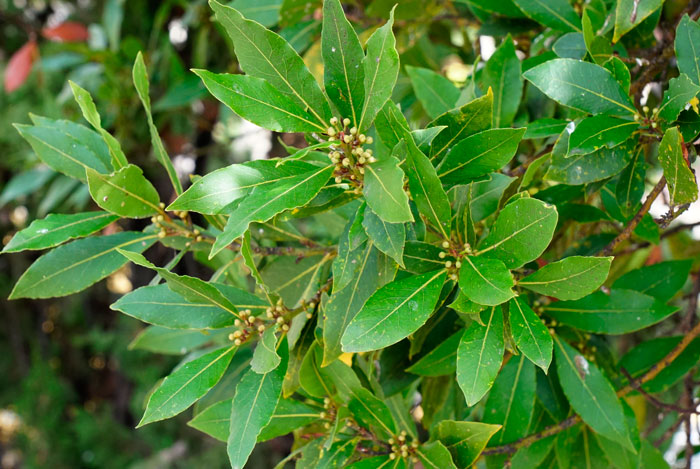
(443, 275)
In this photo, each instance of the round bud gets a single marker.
(280, 320)
(331, 131)
(370, 140)
(458, 264)
(231, 337)
(237, 342)
(362, 170)
(347, 139)
(285, 327)
(261, 328)
(645, 109)
(448, 264)
(362, 138)
(445, 244)
(372, 159)
(237, 322)
(362, 160)
(353, 131)
(338, 179)
(392, 456)
(161, 205)
(334, 121)
(309, 315)
(346, 122)
(442, 255)
(346, 161)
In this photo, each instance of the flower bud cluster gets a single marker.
(458, 254)
(402, 448)
(348, 153)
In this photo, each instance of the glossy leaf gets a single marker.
(630, 186)
(570, 278)
(529, 333)
(186, 385)
(465, 440)
(521, 232)
(599, 131)
(679, 93)
(662, 280)
(435, 455)
(265, 357)
(596, 166)
(56, 229)
(126, 193)
(384, 188)
(682, 185)
(581, 85)
(620, 312)
(479, 355)
(486, 281)
(441, 360)
(371, 412)
(686, 44)
(393, 312)
(629, 13)
(557, 14)
(387, 237)
(502, 74)
(436, 93)
(570, 46)
(77, 265)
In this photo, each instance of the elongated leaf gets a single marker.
(422, 257)
(479, 356)
(126, 193)
(557, 14)
(263, 204)
(158, 339)
(265, 358)
(581, 85)
(383, 188)
(479, 155)
(214, 192)
(214, 420)
(371, 412)
(570, 46)
(686, 44)
(186, 385)
(140, 77)
(543, 128)
(467, 120)
(393, 312)
(56, 229)
(570, 278)
(598, 46)
(629, 13)
(343, 74)
(599, 131)
(263, 54)
(502, 74)
(620, 312)
(680, 91)
(427, 190)
(521, 232)
(77, 265)
(530, 334)
(436, 93)
(630, 186)
(465, 440)
(387, 237)
(441, 360)
(596, 166)
(486, 281)
(435, 456)
(256, 100)
(159, 305)
(345, 303)
(662, 280)
(289, 415)
(381, 66)
(673, 158)
(253, 405)
(590, 394)
(511, 402)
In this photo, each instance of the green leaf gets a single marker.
(598, 45)
(479, 356)
(214, 192)
(126, 192)
(441, 360)
(427, 190)
(381, 66)
(391, 125)
(289, 415)
(502, 74)
(55, 229)
(265, 12)
(394, 312)
(292, 279)
(89, 110)
(590, 394)
(682, 186)
(662, 280)
(680, 91)
(375, 462)
(434, 455)
(479, 155)
(77, 265)
(263, 54)
(371, 412)
(581, 85)
(521, 232)
(256, 100)
(467, 120)
(620, 312)
(140, 77)
(264, 203)
(186, 385)
(253, 405)
(383, 188)
(485, 281)
(570, 278)
(345, 303)
(342, 52)
(158, 339)
(619, 70)
(630, 185)
(159, 305)
(629, 13)
(387, 237)
(436, 93)
(686, 44)
(485, 195)
(557, 14)
(570, 46)
(511, 402)
(595, 132)
(265, 358)
(465, 440)
(422, 257)
(596, 166)
(214, 420)
(529, 333)
(66, 147)
(543, 128)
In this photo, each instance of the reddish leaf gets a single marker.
(70, 31)
(20, 65)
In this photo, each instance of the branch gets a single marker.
(627, 232)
